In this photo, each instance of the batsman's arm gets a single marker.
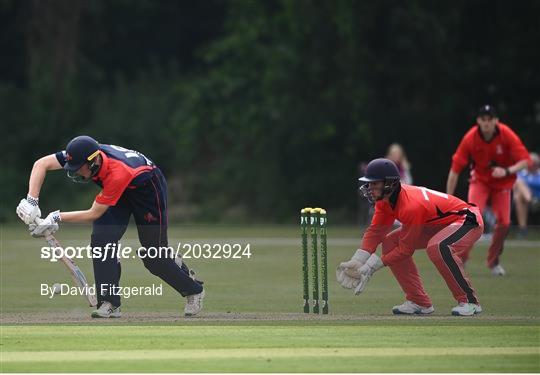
(93, 213)
(39, 170)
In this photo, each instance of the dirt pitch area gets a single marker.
(83, 317)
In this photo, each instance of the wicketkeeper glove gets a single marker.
(373, 264)
(43, 227)
(28, 209)
(347, 272)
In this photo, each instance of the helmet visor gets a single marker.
(75, 177)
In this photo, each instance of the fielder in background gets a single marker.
(131, 185)
(443, 224)
(495, 154)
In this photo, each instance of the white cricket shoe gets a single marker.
(409, 308)
(107, 310)
(194, 304)
(466, 309)
(498, 270)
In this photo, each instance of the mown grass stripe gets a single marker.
(115, 355)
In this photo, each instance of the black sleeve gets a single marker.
(61, 157)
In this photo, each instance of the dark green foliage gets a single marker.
(261, 107)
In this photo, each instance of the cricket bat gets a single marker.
(76, 274)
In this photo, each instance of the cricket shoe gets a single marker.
(466, 309)
(194, 304)
(498, 270)
(410, 308)
(106, 310)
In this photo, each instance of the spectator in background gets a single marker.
(527, 193)
(397, 155)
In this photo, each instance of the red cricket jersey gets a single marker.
(416, 208)
(503, 150)
(121, 169)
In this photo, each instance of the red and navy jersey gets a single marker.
(121, 169)
(503, 150)
(416, 208)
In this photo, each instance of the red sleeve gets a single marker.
(381, 224)
(114, 188)
(408, 238)
(460, 159)
(518, 151)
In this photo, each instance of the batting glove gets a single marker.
(43, 227)
(373, 264)
(28, 209)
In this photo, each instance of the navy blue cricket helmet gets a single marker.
(384, 170)
(79, 151)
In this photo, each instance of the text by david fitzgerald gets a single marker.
(106, 290)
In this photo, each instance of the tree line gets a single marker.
(255, 107)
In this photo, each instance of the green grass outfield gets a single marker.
(271, 348)
(252, 320)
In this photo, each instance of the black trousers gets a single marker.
(148, 205)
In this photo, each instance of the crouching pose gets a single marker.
(132, 185)
(443, 224)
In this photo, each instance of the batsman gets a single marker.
(131, 185)
(443, 224)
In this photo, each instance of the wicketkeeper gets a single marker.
(443, 224)
(131, 185)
